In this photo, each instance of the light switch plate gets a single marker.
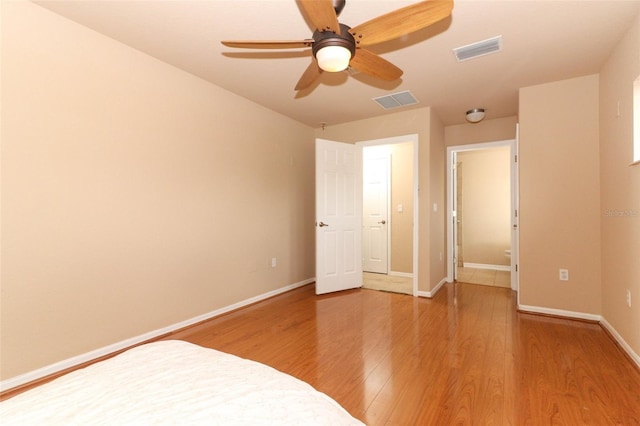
(564, 275)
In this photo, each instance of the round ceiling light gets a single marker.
(475, 115)
(333, 58)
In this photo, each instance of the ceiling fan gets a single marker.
(336, 46)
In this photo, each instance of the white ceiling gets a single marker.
(543, 41)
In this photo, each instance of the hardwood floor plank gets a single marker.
(491, 388)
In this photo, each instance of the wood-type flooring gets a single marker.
(464, 357)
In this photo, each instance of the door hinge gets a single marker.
(516, 267)
(515, 158)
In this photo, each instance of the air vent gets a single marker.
(481, 48)
(396, 100)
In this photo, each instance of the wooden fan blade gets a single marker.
(310, 75)
(322, 14)
(401, 22)
(269, 44)
(369, 63)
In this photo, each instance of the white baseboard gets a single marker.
(590, 317)
(560, 313)
(487, 266)
(430, 294)
(124, 344)
(623, 344)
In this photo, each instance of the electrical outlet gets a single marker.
(628, 298)
(274, 262)
(564, 275)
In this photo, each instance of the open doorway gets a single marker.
(482, 198)
(389, 232)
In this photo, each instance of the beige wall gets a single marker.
(620, 190)
(437, 208)
(498, 129)
(402, 193)
(486, 205)
(415, 121)
(134, 195)
(559, 195)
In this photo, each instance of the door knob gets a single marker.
(321, 224)
(383, 221)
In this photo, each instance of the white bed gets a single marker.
(175, 382)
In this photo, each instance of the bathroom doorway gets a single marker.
(482, 206)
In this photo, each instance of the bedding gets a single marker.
(174, 382)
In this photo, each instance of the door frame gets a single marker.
(515, 232)
(413, 139)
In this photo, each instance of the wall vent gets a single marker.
(396, 100)
(481, 48)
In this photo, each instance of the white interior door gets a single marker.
(338, 216)
(375, 206)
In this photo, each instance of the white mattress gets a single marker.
(174, 382)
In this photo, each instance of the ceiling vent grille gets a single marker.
(396, 100)
(481, 48)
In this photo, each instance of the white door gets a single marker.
(375, 206)
(338, 216)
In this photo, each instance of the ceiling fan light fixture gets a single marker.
(333, 45)
(333, 58)
(475, 115)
